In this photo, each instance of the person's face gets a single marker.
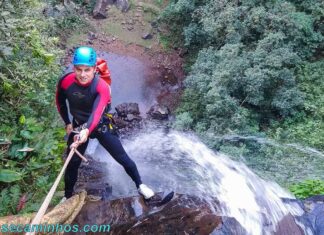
(84, 74)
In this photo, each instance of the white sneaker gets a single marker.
(145, 191)
(63, 200)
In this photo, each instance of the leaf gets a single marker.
(49, 58)
(7, 87)
(9, 176)
(25, 149)
(26, 134)
(22, 119)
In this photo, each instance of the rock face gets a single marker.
(314, 208)
(92, 179)
(183, 215)
(288, 225)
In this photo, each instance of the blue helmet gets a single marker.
(85, 56)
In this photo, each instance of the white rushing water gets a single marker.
(181, 162)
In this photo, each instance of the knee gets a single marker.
(127, 162)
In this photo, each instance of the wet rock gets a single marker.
(127, 118)
(183, 215)
(159, 112)
(288, 225)
(120, 123)
(127, 108)
(314, 207)
(319, 221)
(92, 178)
(122, 5)
(99, 11)
(132, 117)
(147, 36)
(229, 226)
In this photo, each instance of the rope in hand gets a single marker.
(37, 219)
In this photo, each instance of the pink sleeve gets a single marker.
(103, 98)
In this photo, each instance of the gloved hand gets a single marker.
(83, 135)
(103, 70)
(80, 138)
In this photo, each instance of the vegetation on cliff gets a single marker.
(254, 68)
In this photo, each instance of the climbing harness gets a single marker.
(107, 123)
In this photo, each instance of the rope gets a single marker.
(49, 196)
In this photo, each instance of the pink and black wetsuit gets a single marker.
(87, 104)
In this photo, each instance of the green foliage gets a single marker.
(29, 70)
(308, 126)
(174, 17)
(9, 199)
(71, 21)
(9, 176)
(307, 188)
(311, 83)
(255, 67)
(184, 121)
(88, 5)
(248, 58)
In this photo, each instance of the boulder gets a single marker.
(99, 11)
(229, 226)
(127, 108)
(160, 112)
(122, 5)
(147, 36)
(131, 117)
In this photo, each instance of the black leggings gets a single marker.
(113, 145)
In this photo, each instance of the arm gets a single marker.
(61, 104)
(101, 101)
